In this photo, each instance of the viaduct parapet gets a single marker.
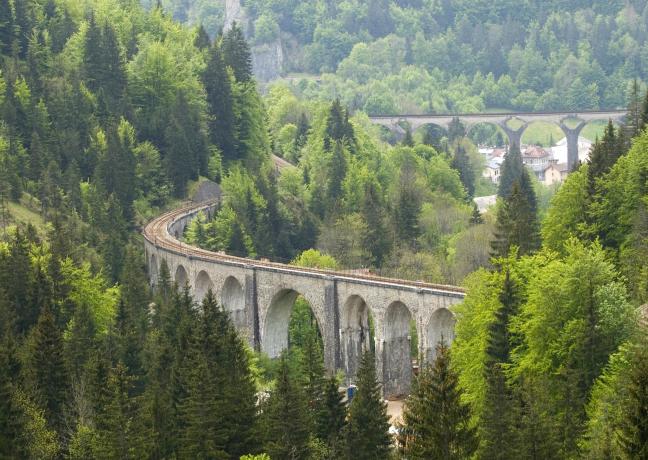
(259, 296)
(571, 123)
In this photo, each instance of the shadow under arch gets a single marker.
(397, 361)
(486, 133)
(202, 285)
(233, 301)
(277, 320)
(439, 328)
(356, 334)
(154, 275)
(181, 277)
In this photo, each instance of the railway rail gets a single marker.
(157, 232)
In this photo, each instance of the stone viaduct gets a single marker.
(259, 296)
(469, 120)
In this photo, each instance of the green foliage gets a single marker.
(436, 424)
(285, 420)
(366, 433)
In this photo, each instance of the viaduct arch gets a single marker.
(260, 295)
(502, 120)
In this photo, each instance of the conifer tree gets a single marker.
(436, 421)
(604, 154)
(461, 162)
(330, 418)
(511, 170)
(120, 436)
(285, 419)
(6, 27)
(366, 435)
(236, 54)
(408, 140)
(337, 173)
(338, 127)
(220, 104)
(456, 130)
(9, 374)
(376, 240)
(202, 40)
(633, 121)
(409, 205)
(497, 422)
(46, 368)
(517, 221)
(301, 135)
(633, 433)
(476, 217)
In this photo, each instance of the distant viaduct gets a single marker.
(260, 295)
(469, 120)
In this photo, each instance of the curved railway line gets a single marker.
(157, 232)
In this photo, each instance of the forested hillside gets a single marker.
(409, 56)
(111, 113)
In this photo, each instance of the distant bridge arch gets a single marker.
(259, 296)
(502, 120)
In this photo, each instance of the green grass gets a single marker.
(26, 212)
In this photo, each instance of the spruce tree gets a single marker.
(338, 127)
(456, 130)
(511, 170)
(408, 140)
(285, 419)
(337, 174)
(461, 162)
(46, 368)
(6, 27)
(476, 217)
(220, 104)
(236, 54)
(330, 419)
(497, 423)
(633, 121)
(366, 435)
(517, 221)
(436, 421)
(633, 432)
(376, 240)
(119, 431)
(409, 205)
(202, 40)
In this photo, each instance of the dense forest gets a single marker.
(111, 113)
(448, 56)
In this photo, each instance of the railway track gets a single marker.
(157, 233)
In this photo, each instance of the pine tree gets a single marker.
(644, 110)
(202, 40)
(301, 135)
(285, 419)
(511, 171)
(408, 140)
(497, 422)
(476, 217)
(633, 433)
(338, 128)
(633, 121)
(330, 418)
(220, 104)
(6, 27)
(436, 421)
(456, 130)
(409, 205)
(604, 154)
(376, 240)
(517, 221)
(366, 435)
(119, 433)
(103, 63)
(46, 368)
(236, 54)
(337, 173)
(461, 162)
